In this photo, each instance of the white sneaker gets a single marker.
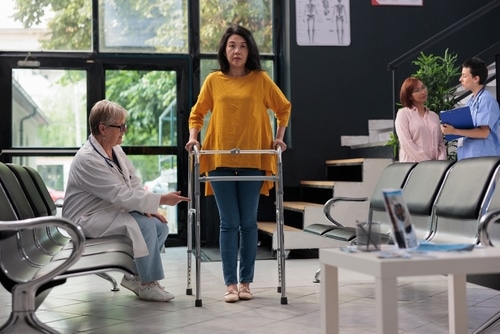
(131, 284)
(154, 292)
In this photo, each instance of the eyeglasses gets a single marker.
(420, 89)
(122, 127)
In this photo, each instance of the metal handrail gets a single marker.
(392, 66)
(444, 33)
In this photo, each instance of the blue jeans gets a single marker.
(155, 233)
(238, 202)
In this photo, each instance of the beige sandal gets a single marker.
(245, 293)
(231, 296)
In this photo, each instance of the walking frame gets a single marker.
(194, 180)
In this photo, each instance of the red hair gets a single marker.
(407, 88)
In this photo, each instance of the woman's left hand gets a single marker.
(280, 143)
(157, 215)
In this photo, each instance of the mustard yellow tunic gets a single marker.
(239, 119)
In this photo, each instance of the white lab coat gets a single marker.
(99, 198)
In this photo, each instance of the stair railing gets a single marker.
(393, 65)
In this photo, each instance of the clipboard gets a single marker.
(460, 118)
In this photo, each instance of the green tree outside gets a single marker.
(163, 29)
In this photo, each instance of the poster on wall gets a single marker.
(397, 2)
(323, 22)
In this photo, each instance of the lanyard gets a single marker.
(475, 101)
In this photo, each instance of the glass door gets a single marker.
(46, 119)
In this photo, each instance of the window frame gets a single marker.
(96, 63)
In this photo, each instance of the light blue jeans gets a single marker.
(238, 202)
(155, 233)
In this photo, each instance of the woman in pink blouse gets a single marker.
(418, 129)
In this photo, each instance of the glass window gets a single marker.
(158, 173)
(46, 26)
(217, 15)
(53, 170)
(151, 100)
(143, 26)
(49, 108)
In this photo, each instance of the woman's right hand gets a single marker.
(173, 198)
(191, 143)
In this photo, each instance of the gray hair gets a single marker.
(105, 112)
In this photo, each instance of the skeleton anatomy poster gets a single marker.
(323, 22)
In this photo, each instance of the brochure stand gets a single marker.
(194, 180)
(399, 216)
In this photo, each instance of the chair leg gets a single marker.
(109, 278)
(22, 318)
(25, 322)
(490, 324)
(316, 276)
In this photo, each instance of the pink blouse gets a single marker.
(420, 137)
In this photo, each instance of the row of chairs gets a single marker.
(445, 199)
(39, 251)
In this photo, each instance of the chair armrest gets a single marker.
(487, 227)
(331, 202)
(23, 293)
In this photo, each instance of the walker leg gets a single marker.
(191, 213)
(197, 233)
(189, 289)
(281, 233)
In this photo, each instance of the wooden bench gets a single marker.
(39, 251)
(270, 227)
(299, 206)
(318, 184)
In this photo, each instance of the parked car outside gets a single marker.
(165, 183)
(57, 196)
(158, 185)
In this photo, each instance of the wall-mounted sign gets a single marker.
(325, 22)
(397, 2)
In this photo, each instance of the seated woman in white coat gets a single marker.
(106, 197)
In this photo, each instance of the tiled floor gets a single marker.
(86, 304)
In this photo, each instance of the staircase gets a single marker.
(345, 177)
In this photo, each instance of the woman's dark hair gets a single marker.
(407, 89)
(477, 67)
(253, 60)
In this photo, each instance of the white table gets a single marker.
(386, 271)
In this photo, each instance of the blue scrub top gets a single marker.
(485, 111)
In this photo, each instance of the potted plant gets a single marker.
(439, 74)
